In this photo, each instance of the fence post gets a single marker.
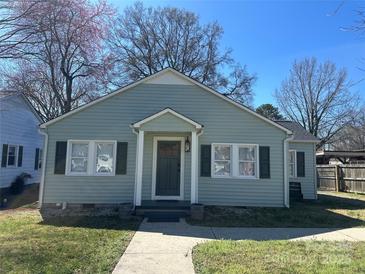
(338, 179)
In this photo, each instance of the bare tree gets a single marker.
(317, 96)
(61, 61)
(13, 30)
(147, 40)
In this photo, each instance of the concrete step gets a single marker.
(162, 211)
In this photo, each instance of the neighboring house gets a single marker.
(169, 137)
(20, 141)
(336, 157)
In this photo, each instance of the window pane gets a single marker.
(104, 158)
(247, 169)
(291, 170)
(222, 152)
(222, 168)
(11, 155)
(80, 150)
(291, 156)
(78, 164)
(11, 150)
(11, 160)
(247, 153)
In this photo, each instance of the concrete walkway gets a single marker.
(166, 247)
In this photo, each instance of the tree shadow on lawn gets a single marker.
(339, 202)
(95, 222)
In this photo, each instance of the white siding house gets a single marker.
(20, 141)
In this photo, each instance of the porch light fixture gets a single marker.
(187, 144)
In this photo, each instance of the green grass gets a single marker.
(330, 210)
(61, 245)
(279, 257)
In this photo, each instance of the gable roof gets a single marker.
(164, 111)
(299, 132)
(154, 76)
(7, 94)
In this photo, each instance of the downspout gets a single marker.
(44, 162)
(286, 175)
(315, 171)
(197, 163)
(135, 172)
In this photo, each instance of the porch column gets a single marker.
(139, 167)
(194, 168)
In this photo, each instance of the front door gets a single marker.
(168, 168)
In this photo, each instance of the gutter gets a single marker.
(286, 174)
(44, 161)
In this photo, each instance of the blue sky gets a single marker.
(268, 36)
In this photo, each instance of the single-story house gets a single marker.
(169, 137)
(20, 141)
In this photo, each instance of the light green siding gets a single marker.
(168, 122)
(309, 189)
(147, 165)
(111, 119)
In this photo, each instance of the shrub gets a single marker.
(17, 186)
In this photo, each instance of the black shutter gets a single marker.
(60, 157)
(122, 151)
(264, 158)
(4, 156)
(205, 160)
(36, 160)
(300, 164)
(20, 156)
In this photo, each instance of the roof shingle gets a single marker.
(300, 134)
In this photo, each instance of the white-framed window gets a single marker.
(12, 156)
(105, 157)
(221, 160)
(247, 158)
(89, 157)
(293, 163)
(79, 157)
(235, 160)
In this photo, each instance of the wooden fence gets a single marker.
(348, 178)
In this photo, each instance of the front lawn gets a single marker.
(330, 210)
(279, 257)
(61, 245)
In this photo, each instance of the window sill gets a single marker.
(89, 175)
(77, 174)
(235, 177)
